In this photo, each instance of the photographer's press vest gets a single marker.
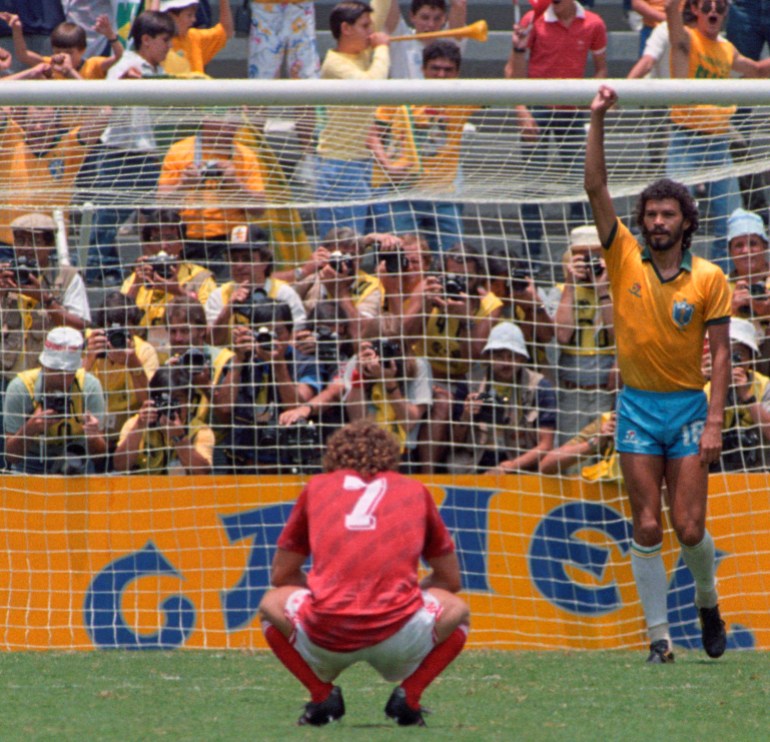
(26, 323)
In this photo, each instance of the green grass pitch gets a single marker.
(196, 695)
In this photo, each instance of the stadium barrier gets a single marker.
(180, 562)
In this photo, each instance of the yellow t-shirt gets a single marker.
(660, 325)
(441, 345)
(195, 50)
(212, 220)
(709, 59)
(398, 143)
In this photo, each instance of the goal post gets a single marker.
(130, 552)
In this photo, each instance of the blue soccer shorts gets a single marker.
(668, 424)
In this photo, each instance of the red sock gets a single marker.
(293, 662)
(433, 665)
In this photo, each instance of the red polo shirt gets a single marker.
(557, 51)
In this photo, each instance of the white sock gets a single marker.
(702, 564)
(652, 586)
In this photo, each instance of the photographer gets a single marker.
(508, 422)
(221, 182)
(585, 334)
(461, 311)
(164, 437)
(334, 274)
(746, 427)
(747, 244)
(251, 267)
(391, 387)
(161, 273)
(53, 414)
(265, 376)
(123, 362)
(37, 294)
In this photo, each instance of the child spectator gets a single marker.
(68, 46)
(425, 16)
(193, 48)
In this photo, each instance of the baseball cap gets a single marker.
(742, 331)
(507, 336)
(34, 222)
(62, 349)
(585, 236)
(248, 237)
(742, 222)
(166, 5)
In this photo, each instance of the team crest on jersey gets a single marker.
(636, 290)
(56, 168)
(682, 313)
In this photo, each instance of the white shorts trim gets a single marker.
(395, 658)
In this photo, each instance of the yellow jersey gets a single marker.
(710, 59)
(660, 325)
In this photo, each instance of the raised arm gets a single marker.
(595, 176)
(679, 40)
(226, 18)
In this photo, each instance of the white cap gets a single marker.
(507, 336)
(742, 331)
(585, 236)
(742, 222)
(166, 5)
(62, 350)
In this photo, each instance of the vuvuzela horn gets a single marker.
(477, 31)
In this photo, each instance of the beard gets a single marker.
(663, 240)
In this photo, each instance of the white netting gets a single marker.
(98, 559)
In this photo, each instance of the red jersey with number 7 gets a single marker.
(366, 539)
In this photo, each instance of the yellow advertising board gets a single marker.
(149, 562)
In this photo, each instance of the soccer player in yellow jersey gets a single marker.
(665, 300)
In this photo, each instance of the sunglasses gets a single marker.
(717, 7)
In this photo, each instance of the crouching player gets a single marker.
(366, 527)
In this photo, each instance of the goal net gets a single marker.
(254, 265)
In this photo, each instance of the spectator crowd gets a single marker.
(219, 349)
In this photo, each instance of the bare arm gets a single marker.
(226, 18)
(530, 460)
(595, 176)
(287, 569)
(679, 40)
(458, 14)
(642, 67)
(749, 68)
(600, 65)
(721, 376)
(444, 574)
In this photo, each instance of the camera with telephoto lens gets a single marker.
(520, 278)
(264, 338)
(594, 267)
(327, 344)
(164, 402)
(24, 268)
(395, 261)
(56, 401)
(248, 306)
(118, 337)
(193, 360)
(494, 409)
(163, 264)
(339, 259)
(300, 445)
(211, 170)
(758, 290)
(454, 284)
(387, 351)
(741, 451)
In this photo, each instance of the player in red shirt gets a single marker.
(366, 527)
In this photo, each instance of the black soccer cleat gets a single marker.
(331, 709)
(713, 634)
(404, 715)
(660, 653)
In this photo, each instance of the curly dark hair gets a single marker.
(665, 188)
(362, 446)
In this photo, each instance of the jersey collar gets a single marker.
(685, 265)
(550, 15)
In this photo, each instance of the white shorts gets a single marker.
(395, 658)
